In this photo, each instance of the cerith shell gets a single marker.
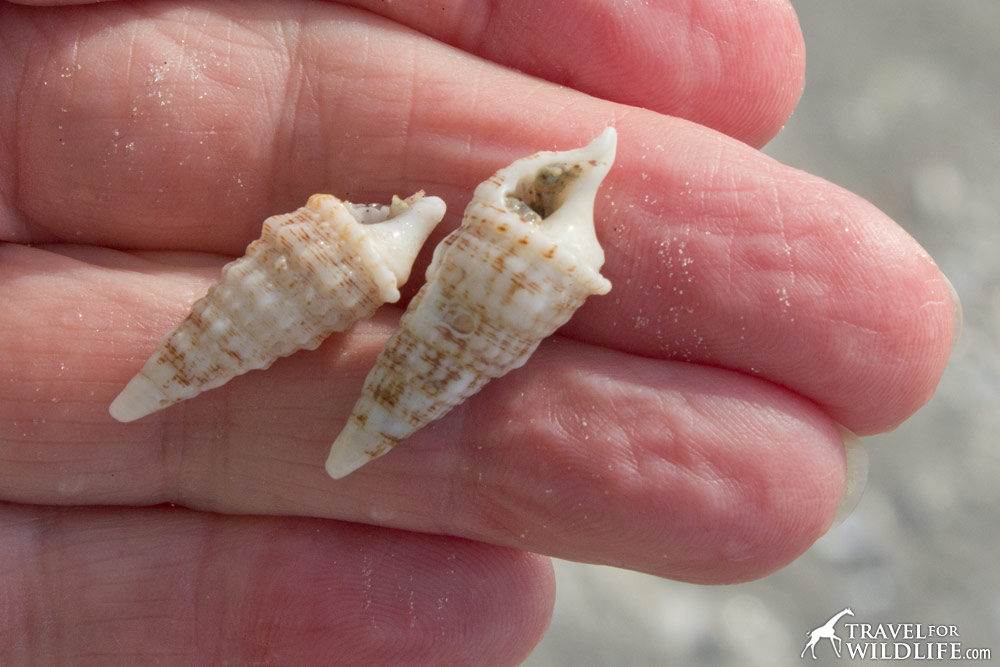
(524, 259)
(313, 271)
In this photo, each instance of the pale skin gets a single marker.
(683, 425)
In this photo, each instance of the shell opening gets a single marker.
(537, 197)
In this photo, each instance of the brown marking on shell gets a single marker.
(380, 449)
(481, 346)
(496, 287)
(313, 271)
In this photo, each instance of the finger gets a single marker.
(700, 61)
(139, 126)
(53, 3)
(174, 587)
(735, 66)
(766, 270)
(718, 254)
(677, 469)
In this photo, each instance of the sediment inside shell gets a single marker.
(523, 261)
(537, 197)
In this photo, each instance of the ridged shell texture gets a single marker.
(522, 262)
(313, 271)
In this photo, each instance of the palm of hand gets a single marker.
(684, 425)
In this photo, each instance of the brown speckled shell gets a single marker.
(496, 287)
(313, 271)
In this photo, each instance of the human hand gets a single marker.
(683, 425)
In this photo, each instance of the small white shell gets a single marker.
(313, 271)
(524, 259)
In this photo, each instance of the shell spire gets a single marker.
(313, 271)
(524, 259)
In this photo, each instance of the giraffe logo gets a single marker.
(828, 631)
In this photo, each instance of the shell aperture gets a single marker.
(312, 272)
(524, 259)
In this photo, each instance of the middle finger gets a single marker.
(585, 453)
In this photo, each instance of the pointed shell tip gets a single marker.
(605, 143)
(138, 399)
(353, 448)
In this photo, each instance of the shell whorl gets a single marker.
(312, 272)
(524, 259)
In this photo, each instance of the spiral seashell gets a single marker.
(313, 271)
(524, 259)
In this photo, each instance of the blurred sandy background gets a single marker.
(902, 105)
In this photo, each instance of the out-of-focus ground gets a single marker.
(902, 105)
